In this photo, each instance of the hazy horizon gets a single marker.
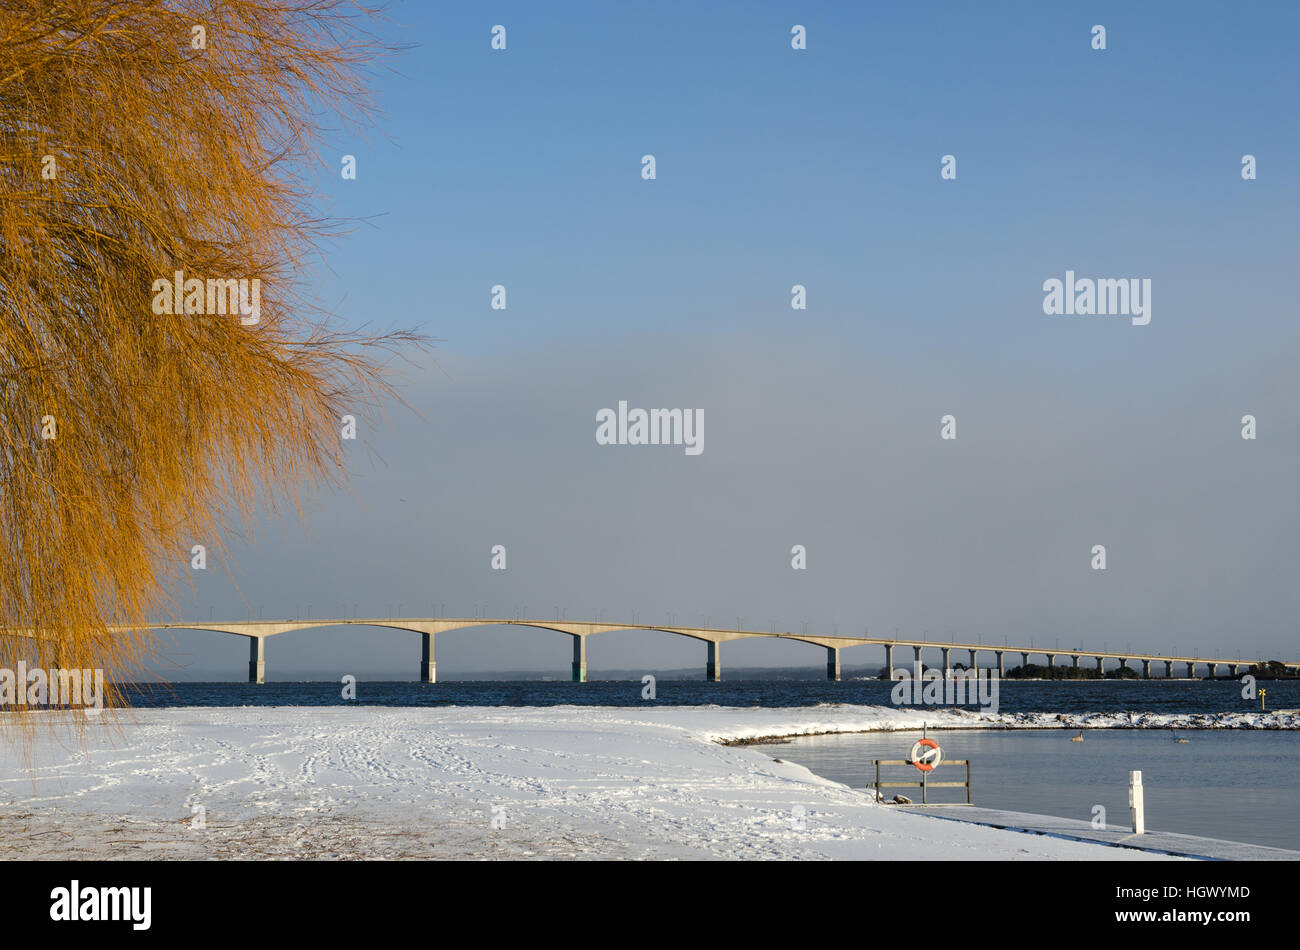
(822, 427)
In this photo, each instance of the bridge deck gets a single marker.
(259, 631)
(258, 628)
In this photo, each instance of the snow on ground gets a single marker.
(331, 782)
(742, 724)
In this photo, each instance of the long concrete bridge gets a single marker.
(259, 631)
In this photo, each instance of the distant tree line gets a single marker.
(1273, 670)
(1032, 671)
(1268, 670)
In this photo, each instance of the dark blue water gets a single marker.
(1015, 696)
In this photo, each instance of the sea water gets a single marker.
(1238, 785)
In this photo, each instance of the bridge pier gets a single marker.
(1074, 661)
(1123, 663)
(714, 669)
(1232, 669)
(974, 660)
(1146, 669)
(1024, 659)
(1101, 665)
(889, 662)
(917, 650)
(1169, 669)
(579, 658)
(257, 659)
(833, 664)
(1214, 668)
(1191, 671)
(998, 654)
(428, 668)
(946, 665)
(1051, 660)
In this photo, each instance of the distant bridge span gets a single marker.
(257, 632)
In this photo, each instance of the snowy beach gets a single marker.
(459, 782)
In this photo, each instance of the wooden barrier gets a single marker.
(924, 785)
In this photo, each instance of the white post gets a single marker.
(1135, 802)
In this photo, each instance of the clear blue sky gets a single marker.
(819, 167)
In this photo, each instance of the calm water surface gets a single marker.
(1230, 784)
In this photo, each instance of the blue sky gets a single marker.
(819, 167)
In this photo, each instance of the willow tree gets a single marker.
(142, 141)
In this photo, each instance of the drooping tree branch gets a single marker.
(140, 139)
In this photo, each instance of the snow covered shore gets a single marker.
(469, 782)
(749, 724)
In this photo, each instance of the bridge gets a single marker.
(259, 631)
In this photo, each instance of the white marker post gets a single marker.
(1135, 803)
